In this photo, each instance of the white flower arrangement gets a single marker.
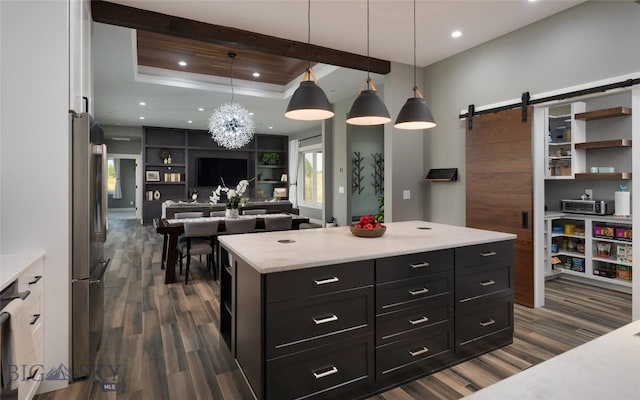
(233, 195)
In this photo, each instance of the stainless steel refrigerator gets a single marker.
(89, 232)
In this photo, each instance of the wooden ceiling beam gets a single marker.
(135, 18)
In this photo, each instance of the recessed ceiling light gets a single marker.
(200, 109)
(141, 117)
(456, 34)
(142, 103)
(190, 121)
(182, 63)
(271, 127)
(256, 74)
(251, 113)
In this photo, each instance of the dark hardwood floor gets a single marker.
(162, 341)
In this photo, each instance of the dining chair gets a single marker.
(217, 213)
(180, 215)
(199, 240)
(233, 226)
(239, 225)
(256, 211)
(278, 223)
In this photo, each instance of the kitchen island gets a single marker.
(321, 313)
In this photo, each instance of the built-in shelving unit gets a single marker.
(183, 147)
(595, 248)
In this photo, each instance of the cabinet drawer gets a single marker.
(320, 280)
(474, 283)
(31, 279)
(476, 326)
(484, 254)
(299, 324)
(410, 292)
(417, 349)
(413, 265)
(398, 325)
(324, 372)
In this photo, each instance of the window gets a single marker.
(312, 171)
(111, 176)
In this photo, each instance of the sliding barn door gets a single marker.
(500, 187)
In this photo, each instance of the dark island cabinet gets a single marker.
(484, 298)
(414, 314)
(350, 330)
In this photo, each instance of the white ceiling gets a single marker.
(338, 24)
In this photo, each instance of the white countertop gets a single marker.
(12, 265)
(604, 218)
(605, 368)
(317, 247)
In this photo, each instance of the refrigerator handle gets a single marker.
(101, 231)
(103, 209)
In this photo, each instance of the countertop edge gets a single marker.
(12, 265)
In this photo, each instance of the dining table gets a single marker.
(172, 228)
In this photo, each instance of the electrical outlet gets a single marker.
(406, 194)
(589, 192)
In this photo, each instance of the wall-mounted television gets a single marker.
(211, 171)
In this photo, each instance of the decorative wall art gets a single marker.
(153, 176)
(356, 184)
(378, 173)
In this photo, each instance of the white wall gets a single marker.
(589, 42)
(35, 154)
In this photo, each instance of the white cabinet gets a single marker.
(28, 270)
(597, 248)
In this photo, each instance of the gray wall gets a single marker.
(123, 147)
(127, 184)
(586, 43)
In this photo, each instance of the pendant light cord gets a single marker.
(368, 58)
(309, 35)
(415, 86)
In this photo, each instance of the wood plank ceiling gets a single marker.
(164, 51)
(163, 39)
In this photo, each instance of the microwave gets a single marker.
(596, 207)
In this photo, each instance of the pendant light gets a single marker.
(309, 102)
(368, 108)
(231, 125)
(415, 114)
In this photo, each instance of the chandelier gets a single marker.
(230, 124)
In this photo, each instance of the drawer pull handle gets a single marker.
(418, 291)
(325, 281)
(415, 353)
(488, 322)
(35, 279)
(324, 320)
(34, 319)
(488, 254)
(332, 370)
(420, 265)
(488, 283)
(418, 321)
